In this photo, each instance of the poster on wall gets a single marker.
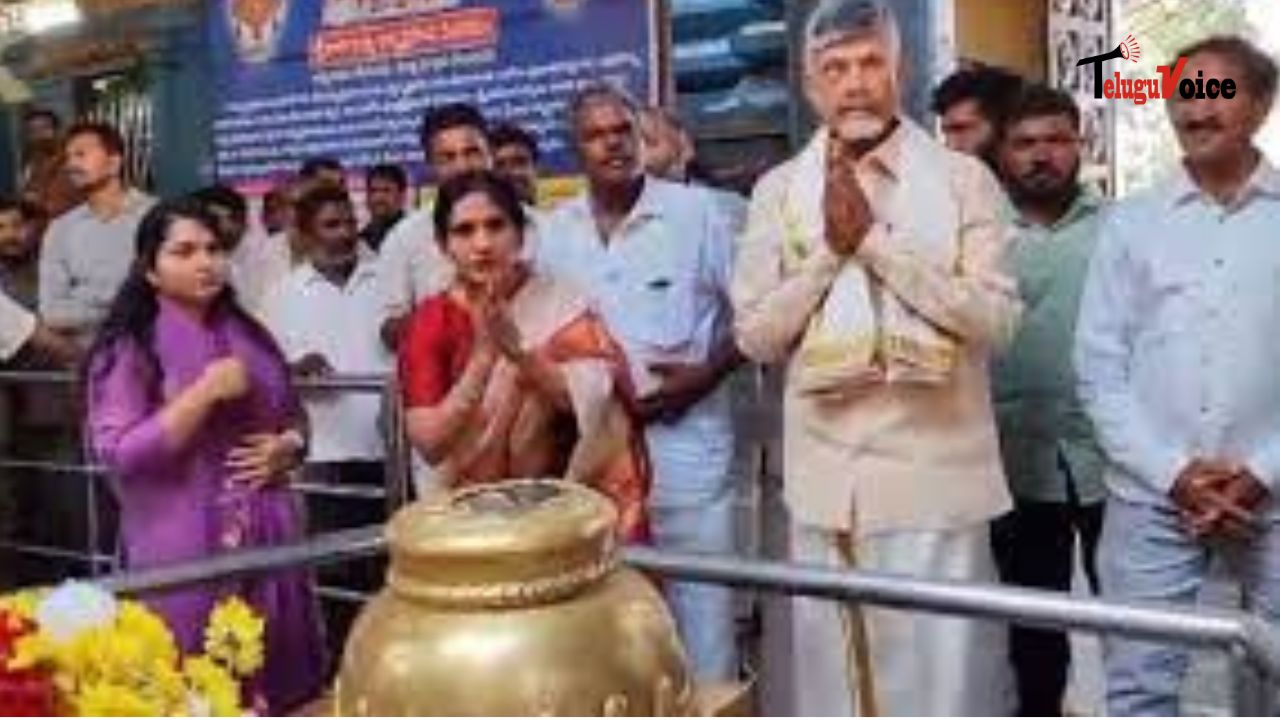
(1080, 29)
(349, 79)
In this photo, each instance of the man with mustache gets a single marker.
(1177, 357)
(872, 267)
(87, 251)
(655, 256)
(454, 140)
(1050, 454)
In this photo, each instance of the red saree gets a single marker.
(517, 432)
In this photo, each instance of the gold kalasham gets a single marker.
(508, 599)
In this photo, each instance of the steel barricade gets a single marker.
(1252, 644)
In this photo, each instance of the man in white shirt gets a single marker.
(257, 261)
(87, 252)
(655, 257)
(325, 314)
(411, 264)
(1177, 359)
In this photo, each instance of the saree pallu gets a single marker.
(593, 436)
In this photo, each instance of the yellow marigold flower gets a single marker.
(157, 641)
(118, 657)
(233, 637)
(216, 691)
(108, 700)
(78, 658)
(169, 688)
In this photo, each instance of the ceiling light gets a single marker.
(43, 15)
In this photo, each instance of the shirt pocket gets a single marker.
(662, 299)
(664, 305)
(1172, 306)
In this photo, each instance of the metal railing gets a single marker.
(1252, 645)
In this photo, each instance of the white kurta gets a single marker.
(910, 474)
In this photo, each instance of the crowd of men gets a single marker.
(986, 362)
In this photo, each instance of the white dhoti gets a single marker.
(921, 664)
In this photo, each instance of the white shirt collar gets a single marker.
(1265, 181)
(648, 206)
(364, 271)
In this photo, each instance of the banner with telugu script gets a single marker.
(350, 78)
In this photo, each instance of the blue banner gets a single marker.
(349, 79)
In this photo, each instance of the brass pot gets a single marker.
(508, 599)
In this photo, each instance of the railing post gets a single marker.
(1252, 695)
(398, 466)
(92, 521)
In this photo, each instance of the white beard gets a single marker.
(858, 127)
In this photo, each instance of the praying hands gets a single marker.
(845, 205)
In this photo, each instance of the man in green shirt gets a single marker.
(1052, 461)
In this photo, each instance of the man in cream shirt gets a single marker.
(885, 315)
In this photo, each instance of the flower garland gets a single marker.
(78, 650)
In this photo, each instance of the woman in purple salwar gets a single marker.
(191, 409)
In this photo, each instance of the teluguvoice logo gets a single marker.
(1170, 80)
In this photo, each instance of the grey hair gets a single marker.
(836, 21)
(599, 92)
(1258, 68)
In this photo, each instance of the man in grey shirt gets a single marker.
(87, 251)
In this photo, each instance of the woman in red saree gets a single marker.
(508, 373)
